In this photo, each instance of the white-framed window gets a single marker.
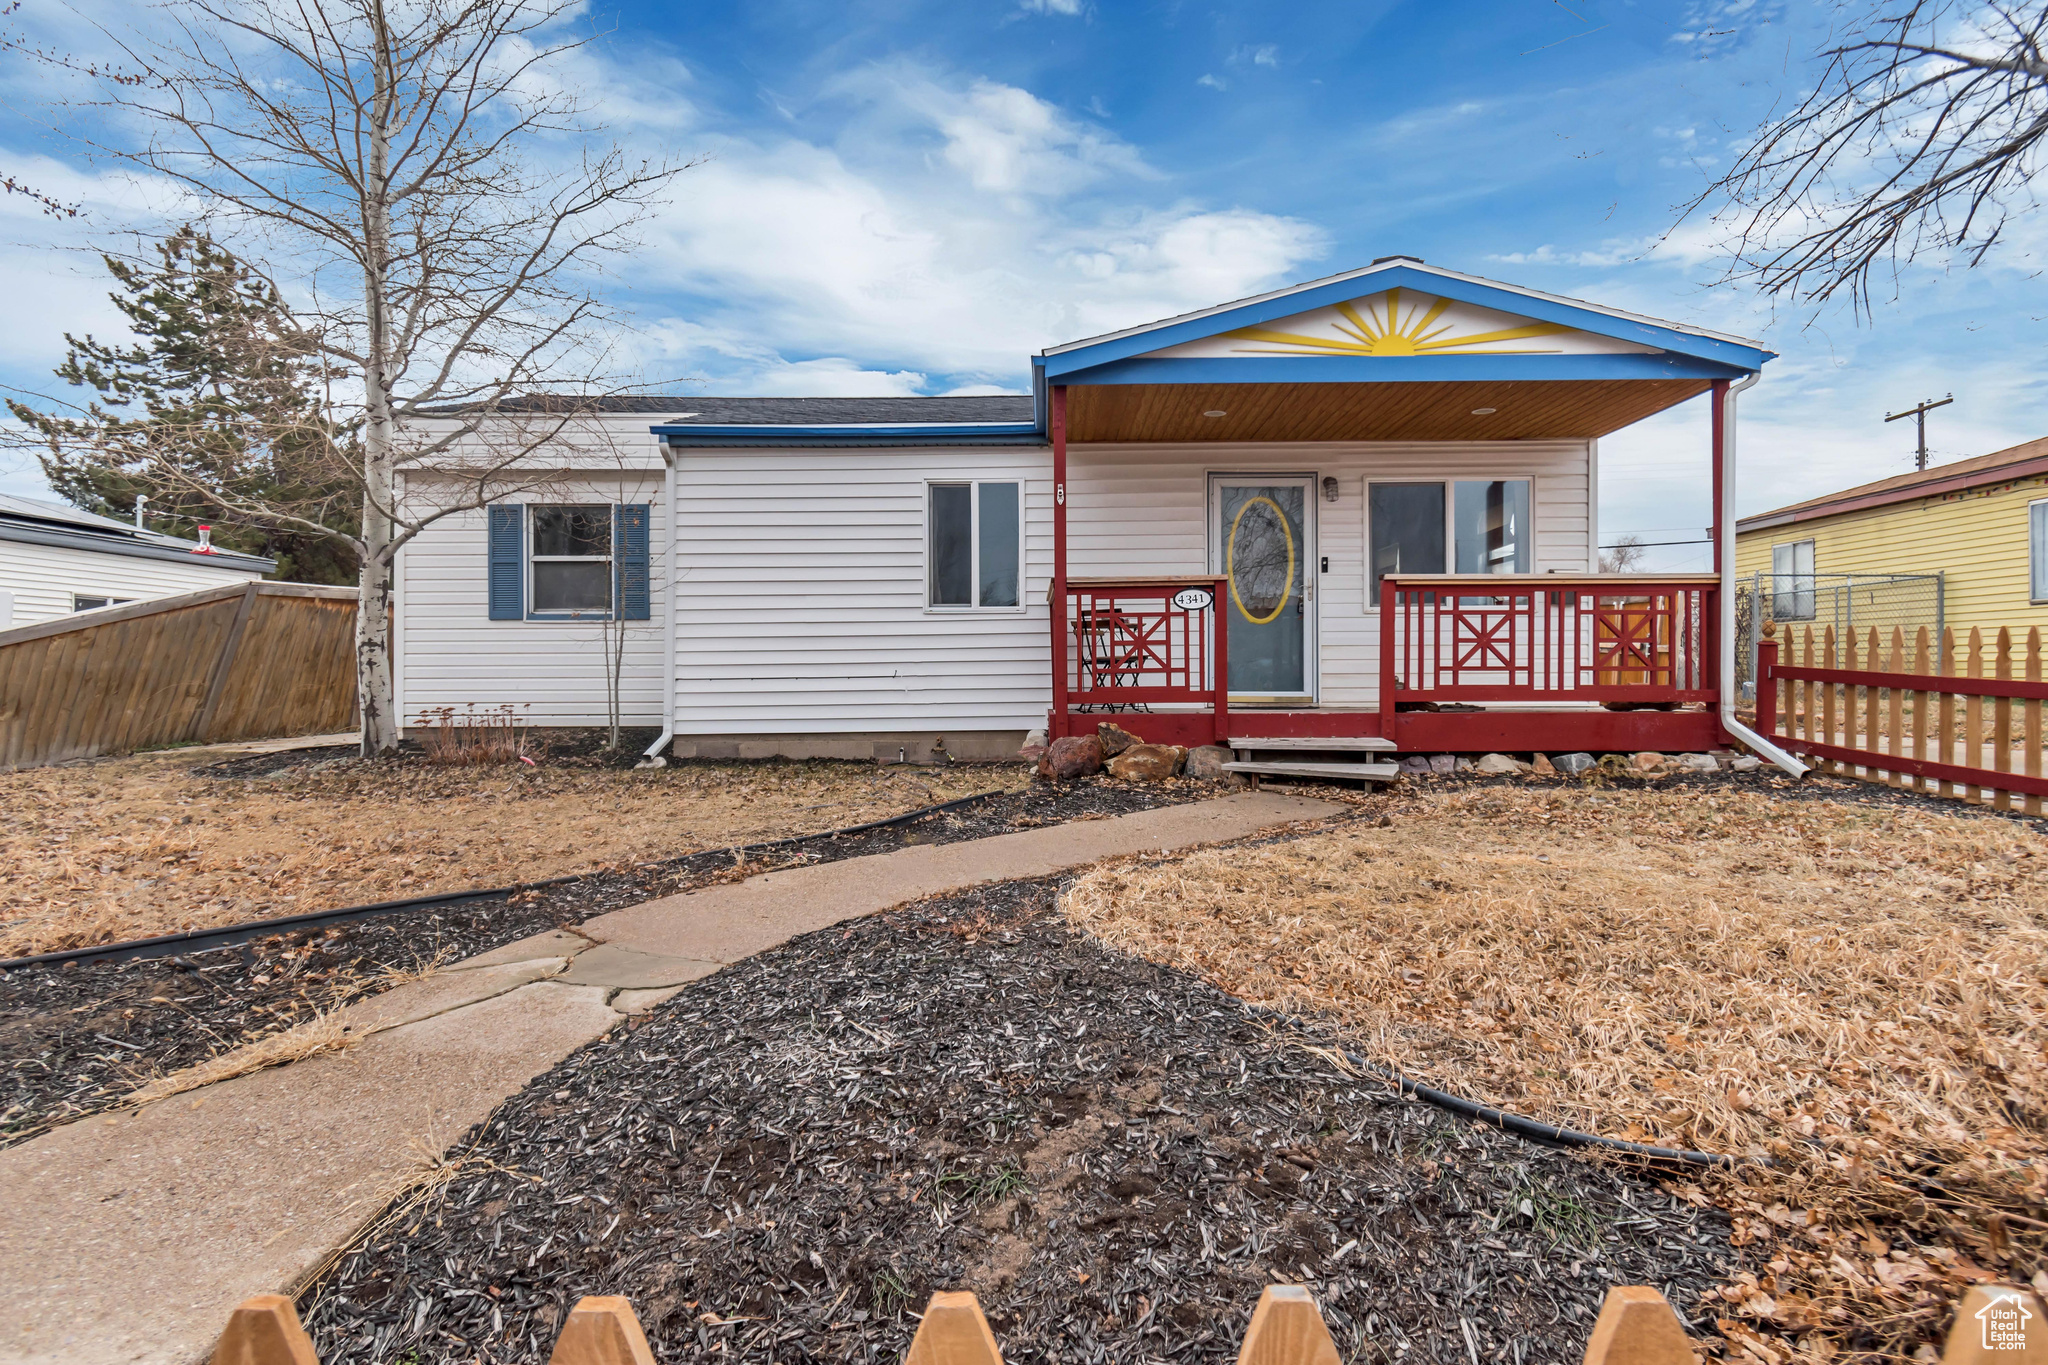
(974, 545)
(2037, 551)
(81, 602)
(1792, 581)
(1419, 526)
(569, 559)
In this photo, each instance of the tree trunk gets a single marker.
(373, 613)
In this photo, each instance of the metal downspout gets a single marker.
(1726, 518)
(654, 757)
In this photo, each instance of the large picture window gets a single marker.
(571, 557)
(975, 547)
(1792, 582)
(1452, 525)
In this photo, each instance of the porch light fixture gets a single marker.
(1329, 488)
(1484, 412)
(1215, 412)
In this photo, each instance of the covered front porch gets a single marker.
(1362, 514)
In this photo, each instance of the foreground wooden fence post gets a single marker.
(602, 1330)
(1637, 1327)
(1998, 1324)
(1287, 1330)
(953, 1332)
(264, 1330)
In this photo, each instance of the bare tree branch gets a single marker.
(1921, 139)
(393, 159)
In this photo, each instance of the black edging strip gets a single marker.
(232, 935)
(1548, 1133)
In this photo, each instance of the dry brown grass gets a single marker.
(1859, 992)
(324, 1032)
(129, 847)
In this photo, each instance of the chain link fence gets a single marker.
(1846, 601)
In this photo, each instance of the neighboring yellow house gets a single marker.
(1981, 523)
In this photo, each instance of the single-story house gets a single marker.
(1352, 515)
(56, 560)
(1981, 524)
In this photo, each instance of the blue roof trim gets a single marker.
(1743, 359)
(1441, 369)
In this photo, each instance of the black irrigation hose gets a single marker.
(1540, 1132)
(233, 935)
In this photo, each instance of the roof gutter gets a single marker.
(1726, 528)
(654, 757)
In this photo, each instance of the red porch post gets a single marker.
(1720, 399)
(1220, 684)
(1387, 676)
(1056, 596)
(1767, 689)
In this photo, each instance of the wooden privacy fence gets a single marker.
(245, 661)
(1994, 1323)
(1908, 717)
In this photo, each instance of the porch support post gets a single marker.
(1056, 596)
(1720, 471)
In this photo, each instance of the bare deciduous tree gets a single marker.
(392, 160)
(1921, 137)
(1623, 556)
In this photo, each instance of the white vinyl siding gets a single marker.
(804, 602)
(44, 579)
(1143, 510)
(450, 653)
(803, 582)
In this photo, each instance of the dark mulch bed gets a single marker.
(788, 1157)
(568, 747)
(75, 1039)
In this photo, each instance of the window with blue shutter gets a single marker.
(508, 561)
(629, 550)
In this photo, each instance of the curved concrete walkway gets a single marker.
(129, 1238)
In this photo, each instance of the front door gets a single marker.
(1262, 539)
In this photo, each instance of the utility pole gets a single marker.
(1920, 412)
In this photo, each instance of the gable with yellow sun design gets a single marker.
(1402, 323)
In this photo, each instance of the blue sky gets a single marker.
(910, 197)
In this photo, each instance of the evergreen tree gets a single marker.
(214, 412)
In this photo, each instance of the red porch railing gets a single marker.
(1546, 637)
(1133, 644)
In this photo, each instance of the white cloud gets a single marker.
(1258, 54)
(1066, 7)
(957, 227)
(1212, 81)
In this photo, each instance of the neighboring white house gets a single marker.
(869, 577)
(56, 560)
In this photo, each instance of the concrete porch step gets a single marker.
(1355, 772)
(1316, 743)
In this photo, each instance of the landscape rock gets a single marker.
(1148, 762)
(1748, 763)
(1543, 767)
(1647, 762)
(1499, 765)
(1443, 763)
(1461, 763)
(1115, 739)
(1415, 763)
(1069, 757)
(1699, 763)
(1206, 763)
(1574, 764)
(1034, 747)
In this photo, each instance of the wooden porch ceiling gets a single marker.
(1523, 410)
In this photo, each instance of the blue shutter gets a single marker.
(629, 553)
(508, 561)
